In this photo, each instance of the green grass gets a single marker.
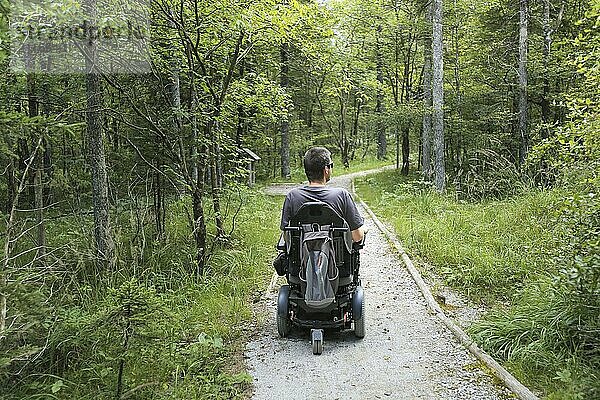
(185, 332)
(502, 253)
(488, 249)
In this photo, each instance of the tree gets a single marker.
(523, 120)
(94, 134)
(285, 124)
(379, 107)
(427, 133)
(438, 97)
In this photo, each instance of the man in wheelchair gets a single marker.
(322, 235)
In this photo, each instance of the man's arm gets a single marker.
(285, 212)
(354, 219)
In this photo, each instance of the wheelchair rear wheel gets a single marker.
(359, 324)
(284, 325)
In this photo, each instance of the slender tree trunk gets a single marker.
(104, 247)
(354, 132)
(438, 97)
(39, 216)
(381, 137)
(546, 80)
(285, 125)
(159, 202)
(548, 30)
(194, 123)
(523, 118)
(397, 136)
(427, 133)
(342, 130)
(213, 157)
(405, 150)
(9, 241)
(197, 184)
(10, 184)
(216, 199)
(458, 97)
(37, 171)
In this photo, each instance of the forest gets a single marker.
(136, 138)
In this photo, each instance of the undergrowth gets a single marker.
(488, 249)
(532, 258)
(149, 329)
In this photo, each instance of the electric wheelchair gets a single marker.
(321, 264)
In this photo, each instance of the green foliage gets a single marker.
(539, 338)
(175, 335)
(489, 249)
(533, 258)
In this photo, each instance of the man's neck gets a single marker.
(317, 183)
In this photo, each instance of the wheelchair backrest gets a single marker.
(318, 216)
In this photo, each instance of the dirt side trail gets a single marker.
(407, 352)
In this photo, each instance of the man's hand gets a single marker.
(359, 234)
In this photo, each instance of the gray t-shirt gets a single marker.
(337, 198)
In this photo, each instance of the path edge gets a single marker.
(512, 383)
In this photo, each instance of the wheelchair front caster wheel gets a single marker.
(316, 338)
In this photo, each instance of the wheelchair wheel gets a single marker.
(284, 325)
(359, 324)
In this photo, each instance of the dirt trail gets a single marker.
(406, 354)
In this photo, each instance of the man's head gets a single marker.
(318, 164)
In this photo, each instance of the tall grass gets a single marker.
(506, 253)
(489, 249)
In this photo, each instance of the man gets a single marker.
(318, 167)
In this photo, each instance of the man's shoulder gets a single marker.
(324, 191)
(339, 191)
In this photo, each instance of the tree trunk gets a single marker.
(37, 172)
(39, 215)
(216, 199)
(458, 99)
(159, 202)
(427, 133)
(285, 125)
(354, 132)
(199, 222)
(523, 133)
(397, 136)
(381, 137)
(104, 247)
(197, 184)
(342, 141)
(405, 150)
(10, 184)
(546, 60)
(438, 97)
(9, 242)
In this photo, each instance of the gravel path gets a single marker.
(406, 354)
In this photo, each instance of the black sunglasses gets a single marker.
(330, 165)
